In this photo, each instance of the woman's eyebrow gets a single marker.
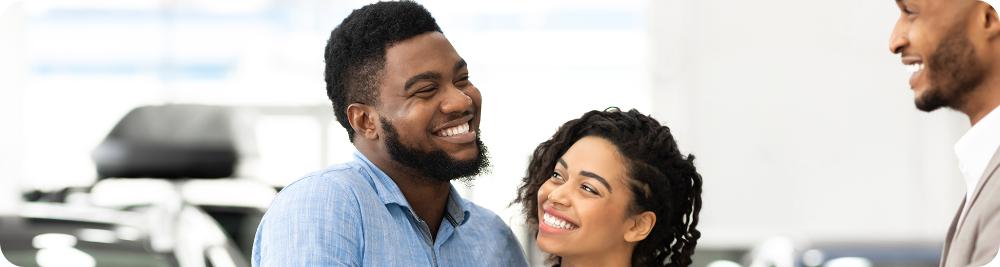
(598, 178)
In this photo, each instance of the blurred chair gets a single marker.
(170, 142)
(3, 259)
(184, 145)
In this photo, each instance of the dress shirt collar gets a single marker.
(976, 148)
(457, 213)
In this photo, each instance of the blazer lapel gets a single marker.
(990, 169)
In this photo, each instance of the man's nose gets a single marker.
(456, 101)
(898, 40)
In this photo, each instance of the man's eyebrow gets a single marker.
(460, 64)
(598, 178)
(428, 75)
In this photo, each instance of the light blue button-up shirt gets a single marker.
(353, 214)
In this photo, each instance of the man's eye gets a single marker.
(426, 90)
(464, 81)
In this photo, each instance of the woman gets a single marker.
(612, 189)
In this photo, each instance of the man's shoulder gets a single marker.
(318, 214)
(487, 225)
(338, 182)
(475, 210)
(483, 218)
(343, 175)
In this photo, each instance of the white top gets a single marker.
(976, 148)
(974, 151)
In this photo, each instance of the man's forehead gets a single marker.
(994, 3)
(991, 2)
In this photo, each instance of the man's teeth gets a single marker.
(912, 68)
(457, 130)
(557, 223)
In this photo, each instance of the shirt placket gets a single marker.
(426, 234)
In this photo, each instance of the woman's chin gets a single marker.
(548, 245)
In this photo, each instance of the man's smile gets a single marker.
(458, 131)
(915, 66)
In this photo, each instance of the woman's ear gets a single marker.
(639, 226)
(364, 120)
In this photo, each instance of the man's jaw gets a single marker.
(436, 165)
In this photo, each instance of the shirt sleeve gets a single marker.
(310, 224)
(513, 248)
(510, 247)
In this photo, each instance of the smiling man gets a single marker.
(953, 50)
(404, 96)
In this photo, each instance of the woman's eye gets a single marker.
(589, 189)
(556, 176)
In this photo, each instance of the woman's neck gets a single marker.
(621, 258)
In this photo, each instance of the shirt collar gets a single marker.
(456, 210)
(975, 149)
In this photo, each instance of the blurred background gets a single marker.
(802, 121)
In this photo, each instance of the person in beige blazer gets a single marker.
(952, 48)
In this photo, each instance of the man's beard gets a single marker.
(954, 72)
(435, 165)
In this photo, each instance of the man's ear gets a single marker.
(990, 20)
(639, 226)
(364, 120)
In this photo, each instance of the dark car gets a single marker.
(54, 234)
(165, 195)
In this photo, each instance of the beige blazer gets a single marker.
(976, 240)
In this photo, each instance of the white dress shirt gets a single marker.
(974, 151)
(976, 148)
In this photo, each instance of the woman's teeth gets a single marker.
(555, 222)
(457, 130)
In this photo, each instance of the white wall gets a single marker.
(800, 118)
(12, 71)
(802, 121)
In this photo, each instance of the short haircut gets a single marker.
(355, 52)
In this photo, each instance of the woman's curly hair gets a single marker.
(662, 180)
